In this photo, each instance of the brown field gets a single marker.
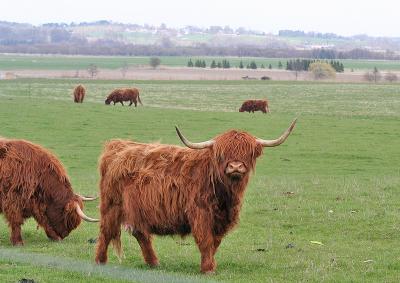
(182, 73)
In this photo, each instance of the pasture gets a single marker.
(58, 62)
(323, 207)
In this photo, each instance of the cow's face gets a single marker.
(241, 109)
(108, 101)
(64, 219)
(236, 154)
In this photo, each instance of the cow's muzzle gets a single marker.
(235, 170)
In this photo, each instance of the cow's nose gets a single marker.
(236, 166)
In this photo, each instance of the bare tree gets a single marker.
(369, 76)
(124, 69)
(377, 74)
(93, 70)
(391, 77)
(322, 70)
(155, 62)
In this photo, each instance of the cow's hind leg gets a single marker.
(146, 246)
(110, 230)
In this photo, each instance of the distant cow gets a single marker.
(33, 183)
(255, 105)
(124, 94)
(79, 93)
(166, 189)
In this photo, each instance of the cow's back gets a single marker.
(25, 166)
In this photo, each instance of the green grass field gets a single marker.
(336, 180)
(57, 62)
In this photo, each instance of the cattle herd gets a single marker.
(117, 95)
(147, 189)
(120, 95)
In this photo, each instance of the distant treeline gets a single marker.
(61, 38)
(107, 47)
(304, 64)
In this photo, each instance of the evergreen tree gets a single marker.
(341, 67)
(225, 64)
(241, 65)
(219, 65)
(289, 65)
(253, 65)
(280, 65)
(270, 66)
(262, 66)
(213, 64)
(190, 63)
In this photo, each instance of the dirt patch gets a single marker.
(182, 73)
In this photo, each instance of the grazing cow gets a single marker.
(124, 94)
(33, 182)
(254, 105)
(165, 189)
(79, 94)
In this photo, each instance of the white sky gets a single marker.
(343, 17)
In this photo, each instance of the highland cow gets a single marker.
(166, 189)
(79, 93)
(33, 183)
(255, 105)
(124, 94)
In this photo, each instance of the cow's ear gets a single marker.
(72, 219)
(258, 150)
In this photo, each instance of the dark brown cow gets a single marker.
(33, 182)
(255, 105)
(124, 94)
(79, 93)
(166, 189)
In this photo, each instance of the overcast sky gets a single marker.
(344, 17)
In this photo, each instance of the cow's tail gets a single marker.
(117, 247)
(138, 98)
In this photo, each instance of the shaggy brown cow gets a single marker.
(255, 105)
(33, 182)
(124, 94)
(166, 189)
(79, 93)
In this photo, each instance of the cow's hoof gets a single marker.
(55, 239)
(208, 272)
(18, 243)
(154, 264)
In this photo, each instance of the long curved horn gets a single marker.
(278, 141)
(199, 145)
(86, 198)
(83, 216)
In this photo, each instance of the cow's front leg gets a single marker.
(202, 233)
(15, 220)
(39, 213)
(122, 103)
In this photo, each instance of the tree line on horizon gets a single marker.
(55, 38)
